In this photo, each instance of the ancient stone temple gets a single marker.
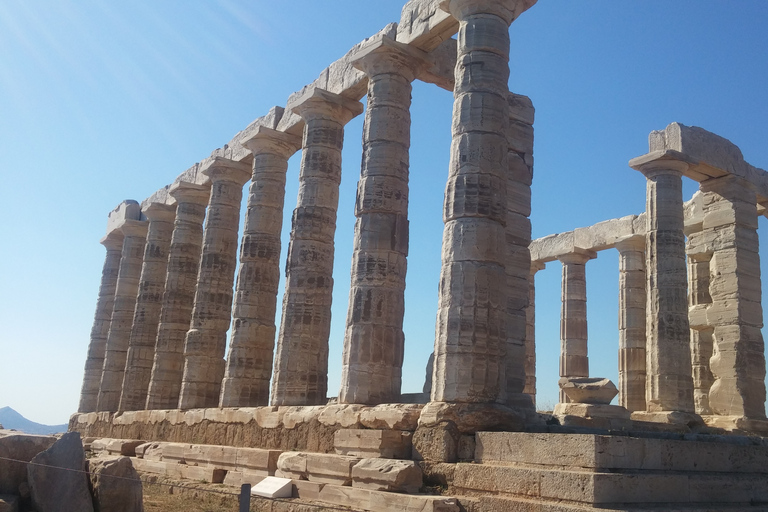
(186, 353)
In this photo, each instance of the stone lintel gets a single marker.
(319, 103)
(190, 192)
(159, 211)
(268, 140)
(383, 54)
(508, 10)
(218, 168)
(665, 161)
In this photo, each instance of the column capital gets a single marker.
(579, 256)
(508, 10)
(267, 140)
(318, 103)
(660, 162)
(631, 243)
(186, 192)
(537, 265)
(224, 169)
(384, 55)
(113, 240)
(159, 212)
(134, 228)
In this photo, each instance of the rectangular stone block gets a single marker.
(330, 469)
(307, 490)
(387, 475)
(391, 444)
(202, 474)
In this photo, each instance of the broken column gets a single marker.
(374, 340)
(252, 341)
(301, 361)
(669, 385)
(94, 363)
(135, 237)
(179, 294)
(141, 346)
(206, 339)
(574, 361)
(632, 303)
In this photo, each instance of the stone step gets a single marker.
(317, 467)
(700, 454)
(256, 460)
(379, 501)
(390, 444)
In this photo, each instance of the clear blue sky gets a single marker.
(101, 102)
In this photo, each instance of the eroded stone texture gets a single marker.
(179, 294)
(252, 342)
(301, 366)
(736, 314)
(135, 237)
(574, 361)
(206, 339)
(141, 347)
(94, 363)
(702, 333)
(632, 303)
(530, 334)
(374, 341)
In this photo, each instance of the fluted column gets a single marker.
(252, 341)
(702, 334)
(141, 347)
(471, 337)
(301, 362)
(206, 339)
(669, 384)
(135, 237)
(632, 303)
(179, 294)
(95, 361)
(530, 332)
(371, 372)
(574, 361)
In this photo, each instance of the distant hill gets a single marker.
(10, 419)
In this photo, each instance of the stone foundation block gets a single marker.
(387, 475)
(243, 476)
(203, 474)
(124, 447)
(390, 444)
(378, 501)
(307, 490)
(439, 443)
(292, 465)
(330, 469)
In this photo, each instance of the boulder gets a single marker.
(116, 486)
(57, 478)
(18, 447)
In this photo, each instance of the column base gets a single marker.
(688, 419)
(601, 416)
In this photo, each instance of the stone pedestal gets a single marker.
(373, 342)
(179, 294)
(135, 238)
(632, 303)
(206, 339)
(252, 341)
(94, 363)
(141, 347)
(574, 361)
(301, 362)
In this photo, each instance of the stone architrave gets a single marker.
(252, 342)
(94, 364)
(141, 347)
(574, 361)
(374, 342)
(471, 338)
(632, 303)
(206, 339)
(179, 294)
(126, 290)
(669, 384)
(530, 332)
(736, 313)
(301, 361)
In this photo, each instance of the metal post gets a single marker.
(245, 498)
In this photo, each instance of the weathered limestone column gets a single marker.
(206, 339)
(736, 314)
(574, 361)
(471, 337)
(179, 294)
(374, 341)
(632, 303)
(95, 361)
(135, 237)
(252, 341)
(530, 332)
(702, 334)
(141, 347)
(669, 385)
(301, 365)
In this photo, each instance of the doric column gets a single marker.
(574, 361)
(373, 341)
(206, 339)
(95, 362)
(669, 385)
(702, 334)
(301, 365)
(471, 337)
(632, 303)
(530, 332)
(141, 347)
(179, 294)
(736, 313)
(252, 341)
(135, 237)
